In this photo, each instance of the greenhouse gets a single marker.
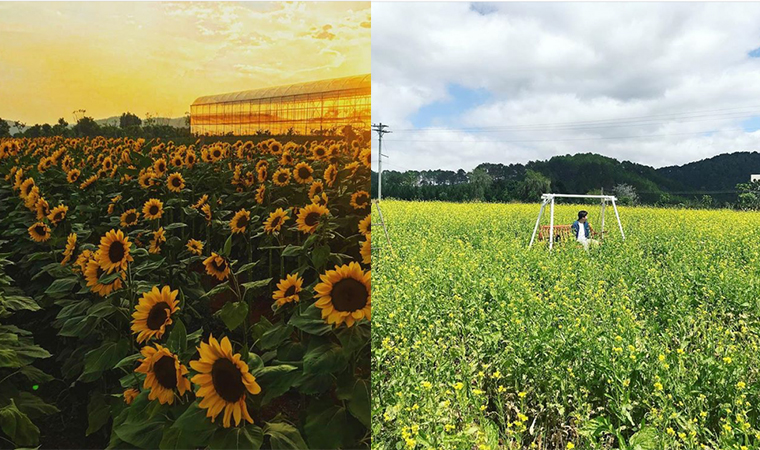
(313, 108)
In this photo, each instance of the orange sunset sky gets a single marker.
(157, 57)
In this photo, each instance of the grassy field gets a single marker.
(647, 343)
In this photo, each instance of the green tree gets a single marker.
(481, 182)
(5, 128)
(533, 186)
(749, 195)
(128, 120)
(86, 126)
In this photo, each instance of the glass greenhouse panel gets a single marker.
(318, 107)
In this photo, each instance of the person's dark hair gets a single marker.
(582, 214)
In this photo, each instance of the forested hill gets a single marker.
(580, 173)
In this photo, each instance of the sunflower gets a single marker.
(114, 251)
(40, 232)
(92, 274)
(88, 182)
(153, 209)
(281, 177)
(286, 159)
(260, 194)
(366, 158)
(303, 173)
(261, 174)
(201, 201)
(217, 266)
(130, 395)
(223, 380)
(26, 188)
(154, 313)
(308, 217)
(216, 153)
(366, 250)
(190, 158)
(42, 207)
(344, 294)
(73, 176)
(276, 220)
(319, 152)
(159, 166)
(360, 199)
(159, 237)
(163, 374)
(71, 245)
(316, 188)
(206, 210)
(129, 218)
(320, 199)
(288, 289)
(83, 258)
(195, 247)
(365, 226)
(175, 182)
(58, 214)
(240, 222)
(331, 174)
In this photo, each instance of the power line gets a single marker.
(381, 129)
(557, 140)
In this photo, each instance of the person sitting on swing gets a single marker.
(582, 230)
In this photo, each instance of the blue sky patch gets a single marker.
(751, 124)
(445, 113)
(755, 53)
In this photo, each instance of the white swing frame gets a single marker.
(548, 199)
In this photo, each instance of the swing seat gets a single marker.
(561, 232)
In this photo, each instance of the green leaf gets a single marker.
(18, 303)
(292, 250)
(97, 413)
(221, 287)
(310, 321)
(247, 437)
(325, 426)
(101, 310)
(78, 326)
(245, 267)
(33, 406)
(61, 287)
(276, 380)
(18, 427)
(8, 358)
(359, 405)
(275, 336)
(105, 357)
(174, 226)
(645, 439)
(108, 278)
(191, 430)
(319, 256)
(354, 338)
(325, 358)
(283, 436)
(142, 423)
(233, 314)
(177, 340)
(128, 362)
(35, 375)
(253, 285)
(227, 246)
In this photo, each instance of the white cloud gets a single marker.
(549, 63)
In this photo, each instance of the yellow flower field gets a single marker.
(647, 343)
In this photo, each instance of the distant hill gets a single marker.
(579, 173)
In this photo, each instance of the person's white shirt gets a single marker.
(582, 238)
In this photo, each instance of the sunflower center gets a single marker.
(219, 267)
(116, 252)
(40, 230)
(311, 219)
(153, 210)
(304, 173)
(131, 217)
(242, 222)
(228, 381)
(282, 178)
(157, 316)
(176, 182)
(161, 167)
(291, 291)
(361, 200)
(58, 217)
(275, 222)
(349, 295)
(166, 372)
(216, 153)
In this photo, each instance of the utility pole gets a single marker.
(380, 128)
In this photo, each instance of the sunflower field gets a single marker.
(645, 343)
(198, 295)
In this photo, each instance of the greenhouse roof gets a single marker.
(311, 87)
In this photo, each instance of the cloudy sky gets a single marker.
(654, 83)
(157, 57)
